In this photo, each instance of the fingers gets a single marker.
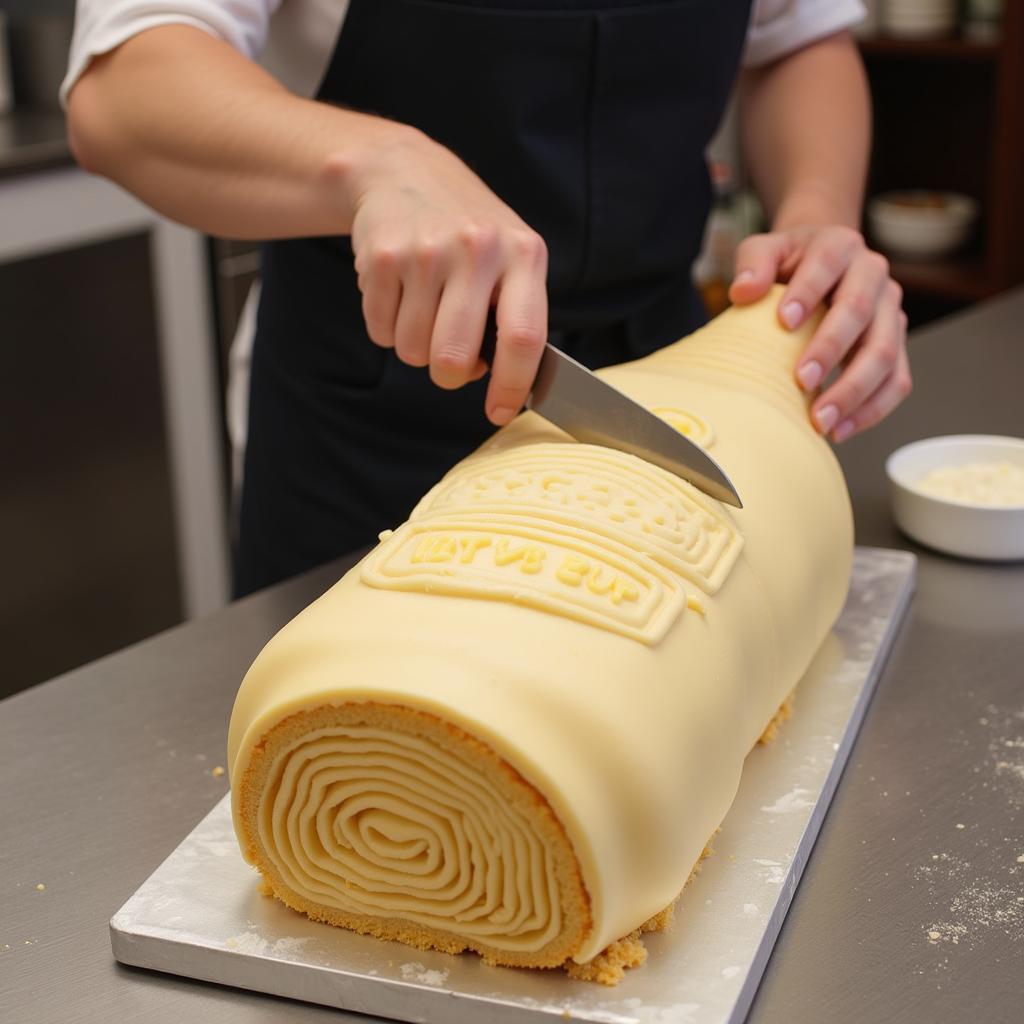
(380, 283)
(876, 378)
(827, 258)
(758, 258)
(430, 300)
(435, 248)
(853, 308)
(522, 317)
(421, 292)
(893, 390)
(458, 330)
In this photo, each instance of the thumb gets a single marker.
(758, 258)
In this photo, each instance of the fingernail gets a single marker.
(843, 431)
(809, 375)
(743, 277)
(502, 415)
(792, 313)
(826, 418)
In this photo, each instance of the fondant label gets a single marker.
(500, 558)
(576, 530)
(602, 494)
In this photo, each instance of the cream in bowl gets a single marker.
(962, 494)
(977, 483)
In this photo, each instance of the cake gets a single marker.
(513, 727)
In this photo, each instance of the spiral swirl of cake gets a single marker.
(392, 822)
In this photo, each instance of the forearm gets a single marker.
(806, 134)
(208, 138)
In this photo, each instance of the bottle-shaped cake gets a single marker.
(515, 724)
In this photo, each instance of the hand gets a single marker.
(865, 330)
(435, 249)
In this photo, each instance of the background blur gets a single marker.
(115, 463)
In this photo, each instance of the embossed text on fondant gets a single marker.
(552, 569)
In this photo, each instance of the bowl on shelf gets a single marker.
(919, 19)
(921, 224)
(962, 494)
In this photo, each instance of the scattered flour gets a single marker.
(750, 909)
(415, 971)
(219, 847)
(981, 903)
(796, 800)
(253, 944)
(730, 972)
(1006, 750)
(979, 909)
(775, 873)
(678, 1013)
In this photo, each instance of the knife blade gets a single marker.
(569, 395)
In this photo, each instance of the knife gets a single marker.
(569, 395)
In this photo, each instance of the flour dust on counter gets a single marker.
(974, 884)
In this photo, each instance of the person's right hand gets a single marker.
(435, 249)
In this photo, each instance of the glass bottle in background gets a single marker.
(735, 214)
(713, 270)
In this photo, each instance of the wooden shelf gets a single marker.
(947, 115)
(962, 279)
(950, 48)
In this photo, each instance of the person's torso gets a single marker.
(589, 118)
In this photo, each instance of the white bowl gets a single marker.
(902, 224)
(991, 532)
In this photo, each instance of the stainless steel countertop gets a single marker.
(108, 767)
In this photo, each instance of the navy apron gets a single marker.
(590, 120)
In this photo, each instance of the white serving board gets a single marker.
(200, 915)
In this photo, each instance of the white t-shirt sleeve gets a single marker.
(102, 25)
(779, 27)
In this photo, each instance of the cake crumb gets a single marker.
(217, 772)
(609, 967)
(661, 920)
(1020, 859)
(960, 825)
(934, 936)
(40, 887)
(771, 730)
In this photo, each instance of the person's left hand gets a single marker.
(865, 329)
